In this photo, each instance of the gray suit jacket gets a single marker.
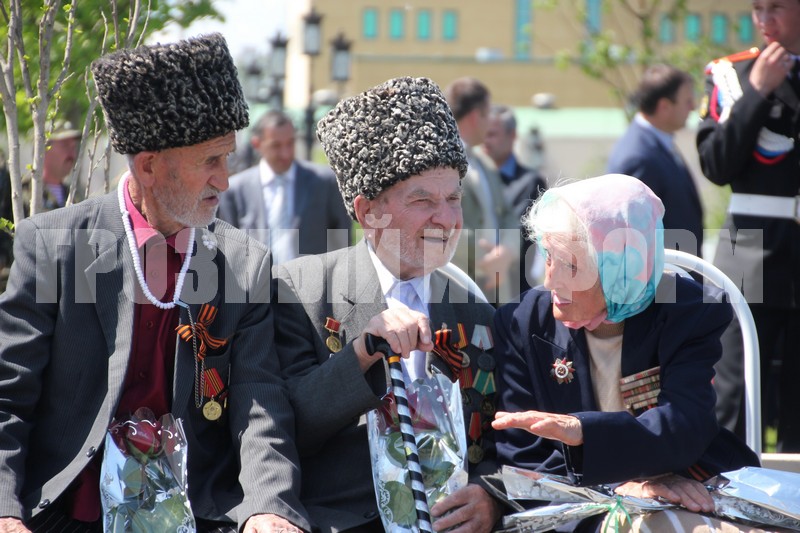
(330, 393)
(66, 324)
(318, 207)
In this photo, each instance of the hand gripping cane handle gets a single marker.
(374, 344)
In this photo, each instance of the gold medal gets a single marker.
(212, 410)
(475, 454)
(333, 344)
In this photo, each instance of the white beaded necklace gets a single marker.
(137, 264)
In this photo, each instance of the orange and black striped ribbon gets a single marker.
(443, 347)
(204, 320)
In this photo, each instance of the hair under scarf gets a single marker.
(623, 219)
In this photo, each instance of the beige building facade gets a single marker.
(519, 48)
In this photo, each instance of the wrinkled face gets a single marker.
(498, 142)
(681, 107)
(189, 182)
(59, 158)
(276, 146)
(415, 224)
(573, 280)
(778, 20)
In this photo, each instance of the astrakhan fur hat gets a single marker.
(170, 95)
(389, 133)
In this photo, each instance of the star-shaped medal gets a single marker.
(562, 371)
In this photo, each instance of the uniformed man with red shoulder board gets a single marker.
(748, 139)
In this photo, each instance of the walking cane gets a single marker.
(379, 344)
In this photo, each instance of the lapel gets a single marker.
(253, 198)
(184, 369)
(111, 280)
(303, 184)
(361, 296)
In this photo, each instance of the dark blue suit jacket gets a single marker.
(680, 433)
(639, 153)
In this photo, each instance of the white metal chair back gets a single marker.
(752, 369)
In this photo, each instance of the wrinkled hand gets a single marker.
(269, 523)
(404, 329)
(672, 488)
(495, 263)
(471, 510)
(12, 525)
(770, 68)
(564, 428)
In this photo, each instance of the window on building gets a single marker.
(745, 28)
(369, 23)
(719, 28)
(666, 30)
(397, 24)
(450, 25)
(522, 30)
(694, 27)
(424, 24)
(594, 15)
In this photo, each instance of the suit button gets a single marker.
(44, 503)
(91, 451)
(371, 514)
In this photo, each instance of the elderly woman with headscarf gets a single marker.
(609, 366)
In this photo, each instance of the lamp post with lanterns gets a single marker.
(340, 60)
(312, 44)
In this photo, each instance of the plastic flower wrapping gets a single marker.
(438, 421)
(753, 496)
(143, 476)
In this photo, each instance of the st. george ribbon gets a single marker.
(379, 344)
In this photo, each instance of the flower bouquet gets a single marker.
(438, 421)
(757, 496)
(143, 476)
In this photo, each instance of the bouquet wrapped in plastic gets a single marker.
(755, 496)
(438, 422)
(143, 476)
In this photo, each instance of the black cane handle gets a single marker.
(374, 344)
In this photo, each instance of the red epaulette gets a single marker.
(735, 58)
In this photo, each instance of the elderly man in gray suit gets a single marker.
(292, 206)
(88, 321)
(399, 161)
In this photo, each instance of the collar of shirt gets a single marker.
(663, 137)
(267, 174)
(421, 284)
(142, 230)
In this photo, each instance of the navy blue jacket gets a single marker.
(679, 435)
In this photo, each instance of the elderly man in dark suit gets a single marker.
(287, 204)
(96, 293)
(399, 159)
(647, 151)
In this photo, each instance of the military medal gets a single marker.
(333, 342)
(562, 371)
(475, 453)
(212, 387)
(212, 410)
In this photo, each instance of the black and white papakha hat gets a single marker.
(170, 95)
(387, 134)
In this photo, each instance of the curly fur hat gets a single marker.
(170, 95)
(389, 133)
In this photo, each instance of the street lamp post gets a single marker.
(277, 66)
(340, 60)
(312, 43)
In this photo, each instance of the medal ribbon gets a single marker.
(207, 315)
(482, 337)
(444, 348)
(213, 383)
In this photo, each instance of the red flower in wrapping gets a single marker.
(422, 416)
(144, 436)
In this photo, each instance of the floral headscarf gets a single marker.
(625, 232)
